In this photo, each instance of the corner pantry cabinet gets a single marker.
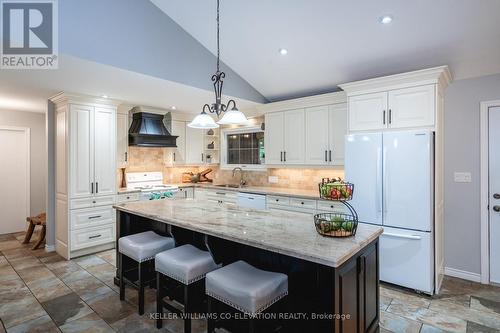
(86, 146)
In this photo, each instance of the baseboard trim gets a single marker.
(50, 248)
(475, 277)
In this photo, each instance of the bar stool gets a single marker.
(142, 248)
(188, 266)
(245, 288)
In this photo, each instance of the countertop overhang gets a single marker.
(287, 233)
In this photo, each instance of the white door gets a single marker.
(412, 107)
(317, 128)
(363, 168)
(178, 155)
(368, 112)
(274, 137)
(408, 180)
(194, 146)
(338, 131)
(81, 137)
(294, 148)
(494, 189)
(105, 150)
(122, 140)
(15, 179)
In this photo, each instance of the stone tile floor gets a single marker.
(42, 292)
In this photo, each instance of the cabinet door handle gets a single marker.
(281, 156)
(94, 217)
(174, 157)
(284, 156)
(326, 158)
(330, 154)
(390, 116)
(496, 196)
(202, 157)
(126, 157)
(220, 193)
(383, 118)
(95, 236)
(92, 188)
(96, 187)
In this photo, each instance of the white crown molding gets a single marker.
(437, 75)
(304, 102)
(71, 98)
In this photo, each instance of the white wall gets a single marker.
(462, 200)
(36, 122)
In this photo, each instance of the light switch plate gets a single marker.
(462, 177)
(273, 179)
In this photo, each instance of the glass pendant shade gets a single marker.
(203, 121)
(233, 117)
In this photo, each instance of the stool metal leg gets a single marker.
(122, 283)
(159, 301)
(187, 310)
(141, 289)
(210, 321)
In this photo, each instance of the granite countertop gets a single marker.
(267, 190)
(288, 233)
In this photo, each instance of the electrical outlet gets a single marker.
(273, 179)
(462, 177)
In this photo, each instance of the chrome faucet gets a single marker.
(242, 182)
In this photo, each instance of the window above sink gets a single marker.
(244, 148)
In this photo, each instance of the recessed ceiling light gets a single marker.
(283, 51)
(173, 107)
(386, 19)
(104, 96)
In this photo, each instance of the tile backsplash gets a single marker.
(151, 159)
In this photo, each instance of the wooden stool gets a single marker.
(40, 219)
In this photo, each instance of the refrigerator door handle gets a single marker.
(384, 181)
(414, 237)
(378, 187)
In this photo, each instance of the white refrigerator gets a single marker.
(393, 173)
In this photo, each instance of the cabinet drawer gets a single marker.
(331, 206)
(92, 202)
(225, 196)
(89, 237)
(127, 197)
(303, 203)
(278, 200)
(89, 217)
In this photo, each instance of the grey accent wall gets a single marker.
(36, 123)
(462, 200)
(136, 35)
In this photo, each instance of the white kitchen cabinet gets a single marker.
(85, 174)
(104, 151)
(122, 125)
(326, 127)
(274, 137)
(177, 156)
(368, 112)
(81, 151)
(294, 139)
(412, 107)
(194, 146)
(285, 137)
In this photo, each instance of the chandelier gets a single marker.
(231, 114)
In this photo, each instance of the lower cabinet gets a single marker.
(92, 236)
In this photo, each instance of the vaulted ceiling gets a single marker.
(335, 41)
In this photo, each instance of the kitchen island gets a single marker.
(333, 282)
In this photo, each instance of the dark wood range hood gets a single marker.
(148, 130)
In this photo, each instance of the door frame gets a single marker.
(27, 134)
(484, 195)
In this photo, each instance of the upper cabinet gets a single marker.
(408, 100)
(285, 137)
(122, 125)
(325, 128)
(195, 153)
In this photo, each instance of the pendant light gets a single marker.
(231, 115)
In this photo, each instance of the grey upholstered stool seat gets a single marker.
(186, 263)
(246, 288)
(144, 246)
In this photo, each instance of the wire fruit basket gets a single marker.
(337, 224)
